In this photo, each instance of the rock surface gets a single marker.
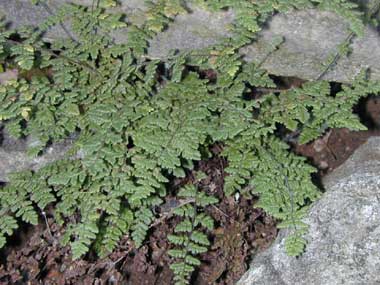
(23, 12)
(344, 237)
(196, 30)
(13, 152)
(19, 13)
(14, 157)
(310, 37)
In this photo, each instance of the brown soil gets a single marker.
(241, 230)
(331, 150)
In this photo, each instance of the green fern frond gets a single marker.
(189, 238)
(142, 221)
(138, 122)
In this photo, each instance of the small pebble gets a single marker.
(323, 165)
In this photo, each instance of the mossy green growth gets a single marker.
(140, 122)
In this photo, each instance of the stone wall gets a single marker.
(309, 37)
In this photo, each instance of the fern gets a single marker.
(319, 110)
(143, 219)
(189, 238)
(114, 228)
(7, 225)
(138, 122)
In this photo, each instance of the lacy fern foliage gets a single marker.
(189, 237)
(138, 122)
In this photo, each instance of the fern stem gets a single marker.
(50, 12)
(347, 41)
(47, 224)
(171, 211)
(337, 56)
(186, 246)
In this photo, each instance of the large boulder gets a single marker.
(310, 37)
(344, 237)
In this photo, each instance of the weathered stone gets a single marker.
(344, 237)
(14, 157)
(310, 37)
(8, 75)
(196, 30)
(22, 12)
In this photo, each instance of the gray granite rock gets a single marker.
(14, 157)
(22, 12)
(8, 75)
(196, 30)
(310, 37)
(344, 237)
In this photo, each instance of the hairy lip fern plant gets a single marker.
(136, 129)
